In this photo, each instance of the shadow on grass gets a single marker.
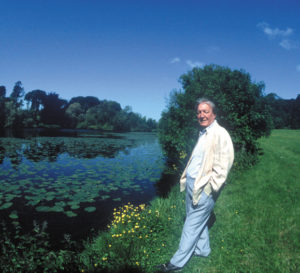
(165, 183)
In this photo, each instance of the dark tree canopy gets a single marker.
(53, 110)
(17, 93)
(2, 91)
(2, 109)
(36, 98)
(285, 113)
(295, 113)
(85, 102)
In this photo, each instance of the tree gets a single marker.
(85, 102)
(102, 115)
(2, 91)
(295, 114)
(35, 98)
(2, 109)
(75, 114)
(17, 94)
(120, 122)
(151, 124)
(12, 109)
(280, 110)
(54, 109)
(242, 111)
(13, 118)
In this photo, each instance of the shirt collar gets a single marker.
(208, 128)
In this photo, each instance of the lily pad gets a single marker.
(75, 206)
(90, 209)
(70, 213)
(57, 209)
(6, 205)
(14, 215)
(43, 208)
(104, 197)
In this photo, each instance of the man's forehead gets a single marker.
(204, 105)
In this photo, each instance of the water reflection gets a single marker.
(86, 146)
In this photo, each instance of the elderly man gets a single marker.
(203, 178)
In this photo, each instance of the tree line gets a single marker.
(243, 109)
(39, 109)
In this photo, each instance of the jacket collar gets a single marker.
(208, 128)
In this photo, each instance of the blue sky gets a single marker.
(134, 51)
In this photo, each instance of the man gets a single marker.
(203, 178)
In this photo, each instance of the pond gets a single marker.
(74, 183)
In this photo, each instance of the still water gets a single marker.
(74, 183)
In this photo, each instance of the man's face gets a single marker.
(205, 115)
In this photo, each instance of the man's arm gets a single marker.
(222, 162)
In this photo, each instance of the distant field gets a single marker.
(257, 226)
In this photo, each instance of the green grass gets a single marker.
(257, 227)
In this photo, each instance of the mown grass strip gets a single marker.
(256, 229)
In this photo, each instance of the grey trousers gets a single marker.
(195, 236)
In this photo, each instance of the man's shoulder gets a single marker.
(216, 126)
(218, 129)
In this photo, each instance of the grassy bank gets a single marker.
(256, 229)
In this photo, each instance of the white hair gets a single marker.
(206, 101)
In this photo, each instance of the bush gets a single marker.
(241, 110)
(32, 252)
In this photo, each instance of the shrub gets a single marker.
(32, 252)
(241, 110)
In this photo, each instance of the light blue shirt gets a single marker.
(198, 154)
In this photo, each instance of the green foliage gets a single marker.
(136, 239)
(295, 119)
(98, 116)
(85, 102)
(32, 252)
(75, 113)
(241, 109)
(285, 113)
(47, 110)
(35, 100)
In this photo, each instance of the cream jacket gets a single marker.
(217, 161)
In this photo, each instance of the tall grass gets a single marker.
(257, 227)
